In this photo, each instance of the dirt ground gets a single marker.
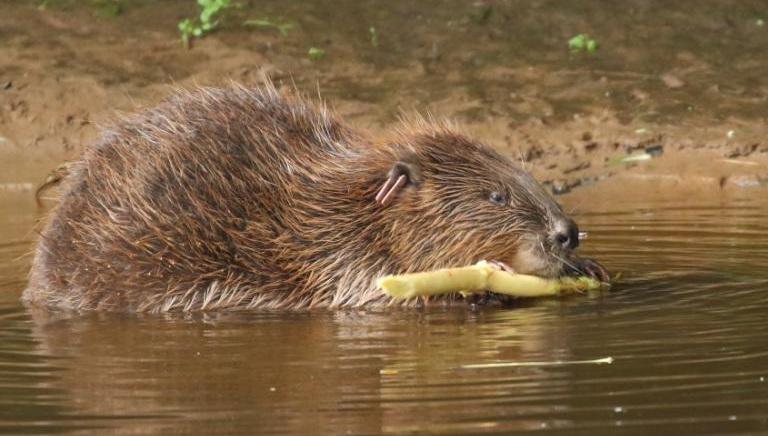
(673, 103)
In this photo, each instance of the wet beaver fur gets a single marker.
(240, 197)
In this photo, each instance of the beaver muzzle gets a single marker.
(565, 238)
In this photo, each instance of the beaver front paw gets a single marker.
(588, 267)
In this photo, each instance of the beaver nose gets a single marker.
(567, 235)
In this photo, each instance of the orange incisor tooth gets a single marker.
(384, 189)
(393, 191)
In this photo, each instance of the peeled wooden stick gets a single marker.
(480, 278)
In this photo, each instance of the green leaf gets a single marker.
(591, 46)
(578, 42)
(582, 42)
(206, 20)
(184, 25)
(315, 53)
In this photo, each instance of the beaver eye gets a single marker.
(497, 198)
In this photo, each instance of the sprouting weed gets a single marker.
(582, 43)
(207, 21)
(374, 36)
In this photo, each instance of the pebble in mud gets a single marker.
(591, 146)
(560, 187)
(654, 150)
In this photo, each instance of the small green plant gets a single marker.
(373, 36)
(315, 54)
(102, 8)
(197, 27)
(484, 14)
(265, 22)
(582, 43)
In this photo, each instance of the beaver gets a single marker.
(243, 197)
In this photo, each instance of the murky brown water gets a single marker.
(686, 327)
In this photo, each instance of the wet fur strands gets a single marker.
(241, 198)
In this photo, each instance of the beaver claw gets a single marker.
(588, 267)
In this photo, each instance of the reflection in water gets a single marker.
(363, 372)
(686, 327)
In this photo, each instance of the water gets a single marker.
(685, 326)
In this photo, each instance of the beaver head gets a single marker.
(453, 201)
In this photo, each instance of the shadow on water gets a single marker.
(685, 326)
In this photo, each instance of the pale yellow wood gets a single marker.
(481, 277)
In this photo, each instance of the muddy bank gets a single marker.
(676, 105)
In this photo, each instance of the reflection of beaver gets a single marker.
(242, 198)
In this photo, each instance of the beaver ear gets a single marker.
(403, 173)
